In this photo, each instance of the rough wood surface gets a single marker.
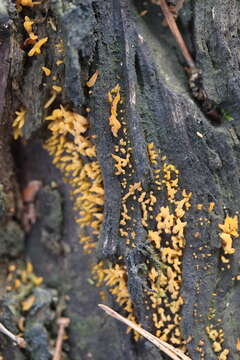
(140, 54)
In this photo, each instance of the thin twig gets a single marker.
(176, 33)
(172, 352)
(16, 339)
(178, 6)
(63, 323)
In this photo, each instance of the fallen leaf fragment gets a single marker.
(92, 79)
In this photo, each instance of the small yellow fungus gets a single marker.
(12, 267)
(229, 230)
(37, 280)
(155, 238)
(18, 123)
(224, 354)
(37, 47)
(153, 155)
(28, 303)
(211, 206)
(91, 82)
(17, 284)
(75, 155)
(28, 3)
(121, 163)
(46, 70)
(51, 100)
(230, 226)
(59, 62)
(238, 344)
(216, 346)
(57, 88)
(29, 268)
(28, 23)
(113, 121)
(115, 277)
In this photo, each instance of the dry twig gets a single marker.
(18, 340)
(63, 322)
(172, 352)
(169, 17)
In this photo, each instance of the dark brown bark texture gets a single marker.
(140, 54)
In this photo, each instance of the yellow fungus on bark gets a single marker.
(28, 3)
(113, 121)
(224, 354)
(46, 70)
(57, 88)
(36, 49)
(28, 23)
(18, 123)
(75, 155)
(28, 303)
(229, 231)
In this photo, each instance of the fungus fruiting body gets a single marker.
(36, 49)
(229, 230)
(114, 99)
(75, 155)
(217, 338)
(18, 123)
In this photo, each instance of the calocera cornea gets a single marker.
(75, 154)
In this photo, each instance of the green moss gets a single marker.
(11, 240)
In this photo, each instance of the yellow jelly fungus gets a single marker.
(75, 155)
(18, 123)
(57, 88)
(115, 278)
(36, 49)
(46, 70)
(229, 230)
(28, 303)
(113, 121)
(28, 3)
(28, 23)
(211, 206)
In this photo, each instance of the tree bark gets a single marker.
(200, 152)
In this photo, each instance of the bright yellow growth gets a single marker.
(115, 277)
(18, 123)
(114, 101)
(75, 155)
(28, 3)
(46, 70)
(165, 227)
(152, 153)
(57, 88)
(23, 281)
(229, 231)
(36, 49)
(217, 339)
(121, 163)
(28, 27)
(28, 303)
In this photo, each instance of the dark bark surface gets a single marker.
(140, 54)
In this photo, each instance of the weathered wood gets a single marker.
(140, 54)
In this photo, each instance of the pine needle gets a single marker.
(172, 352)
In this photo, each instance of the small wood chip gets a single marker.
(92, 79)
